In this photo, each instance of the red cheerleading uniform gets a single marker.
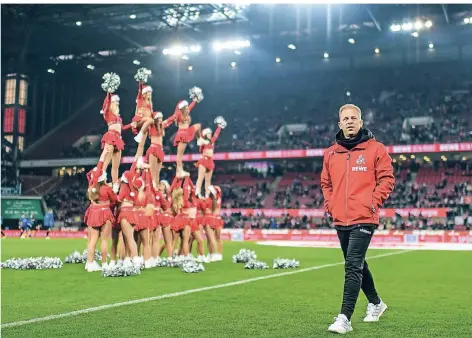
(126, 212)
(141, 199)
(207, 218)
(207, 161)
(112, 137)
(184, 135)
(97, 214)
(127, 194)
(165, 217)
(157, 150)
(182, 219)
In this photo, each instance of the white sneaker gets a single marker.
(138, 137)
(105, 265)
(374, 312)
(120, 262)
(137, 262)
(47, 238)
(219, 257)
(86, 265)
(200, 259)
(127, 262)
(112, 264)
(92, 267)
(341, 325)
(148, 264)
(190, 257)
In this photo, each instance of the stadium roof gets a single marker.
(41, 33)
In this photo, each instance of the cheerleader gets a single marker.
(206, 207)
(112, 145)
(185, 224)
(154, 227)
(144, 210)
(144, 116)
(155, 153)
(186, 132)
(217, 223)
(126, 215)
(99, 219)
(164, 200)
(205, 164)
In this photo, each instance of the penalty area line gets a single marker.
(182, 293)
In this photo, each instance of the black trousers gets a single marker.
(354, 244)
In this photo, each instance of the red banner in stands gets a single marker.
(319, 213)
(301, 153)
(380, 236)
(467, 199)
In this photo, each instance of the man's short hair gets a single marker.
(353, 106)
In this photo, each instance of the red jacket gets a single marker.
(356, 183)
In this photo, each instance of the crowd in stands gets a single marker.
(436, 184)
(256, 114)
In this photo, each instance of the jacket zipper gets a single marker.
(347, 184)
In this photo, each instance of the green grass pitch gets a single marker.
(428, 294)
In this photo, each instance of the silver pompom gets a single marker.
(121, 271)
(75, 258)
(244, 256)
(255, 265)
(196, 93)
(163, 262)
(112, 82)
(192, 267)
(221, 122)
(96, 256)
(284, 263)
(32, 263)
(142, 75)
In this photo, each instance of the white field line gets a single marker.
(182, 293)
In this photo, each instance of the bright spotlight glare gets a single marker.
(79, 23)
(351, 41)
(428, 24)
(292, 46)
(184, 57)
(431, 46)
(136, 62)
(395, 28)
(418, 25)
(377, 51)
(277, 60)
(233, 64)
(91, 67)
(231, 45)
(237, 52)
(51, 71)
(326, 55)
(348, 93)
(415, 34)
(132, 16)
(190, 68)
(407, 26)
(195, 48)
(181, 50)
(466, 20)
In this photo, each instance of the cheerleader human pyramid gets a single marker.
(145, 208)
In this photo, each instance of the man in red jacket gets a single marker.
(356, 180)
